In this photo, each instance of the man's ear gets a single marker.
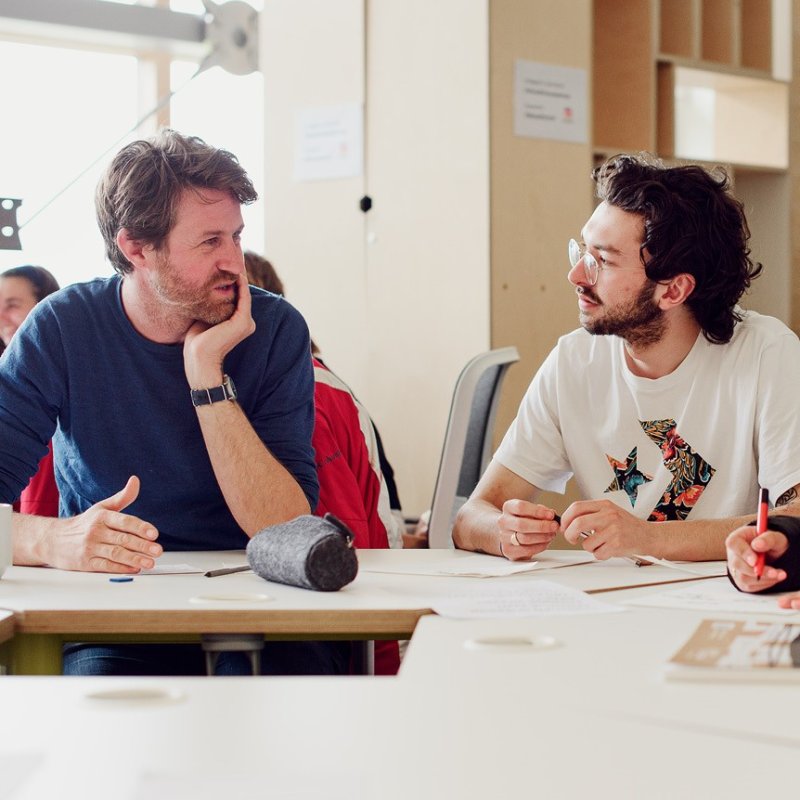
(676, 291)
(134, 250)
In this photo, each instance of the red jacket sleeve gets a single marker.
(40, 496)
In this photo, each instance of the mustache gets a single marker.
(222, 279)
(587, 293)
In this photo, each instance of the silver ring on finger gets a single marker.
(514, 539)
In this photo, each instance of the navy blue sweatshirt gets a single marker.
(117, 404)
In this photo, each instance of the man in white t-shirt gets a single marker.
(670, 406)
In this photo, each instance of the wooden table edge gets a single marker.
(358, 623)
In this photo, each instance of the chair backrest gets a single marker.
(467, 447)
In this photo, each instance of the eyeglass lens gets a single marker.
(576, 253)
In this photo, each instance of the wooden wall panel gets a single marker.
(541, 191)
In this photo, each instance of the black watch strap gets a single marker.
(204, 397)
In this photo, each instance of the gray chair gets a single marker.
(467, 447)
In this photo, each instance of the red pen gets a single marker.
(761, 526)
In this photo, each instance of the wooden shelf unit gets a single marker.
(639, 46)
(735, 33)
(719, 116)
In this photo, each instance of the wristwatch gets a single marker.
(204, 397)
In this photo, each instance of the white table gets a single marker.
(591, 717)
(607, 664)
(53, 606)
(364, 738)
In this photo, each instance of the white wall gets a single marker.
(397, 299)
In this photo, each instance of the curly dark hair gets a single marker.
(142, 187)
(692, 224)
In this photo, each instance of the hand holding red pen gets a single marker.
(744, 546)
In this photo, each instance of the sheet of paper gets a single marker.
(719, 596)
(461, 564)
(528, 599)
(171, 569)
(706, 569)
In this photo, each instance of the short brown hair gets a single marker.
(142, 187)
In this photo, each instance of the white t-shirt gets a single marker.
(701, 439)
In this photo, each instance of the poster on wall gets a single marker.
(329, 142)
(550, 102)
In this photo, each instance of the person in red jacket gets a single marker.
(351, 482)
(21, 288)
(351, 485)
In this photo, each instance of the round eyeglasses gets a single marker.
(590, 266)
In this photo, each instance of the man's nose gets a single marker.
(232, 259)
(577, 275)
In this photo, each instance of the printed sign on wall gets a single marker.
(550, 102)
(329, 142)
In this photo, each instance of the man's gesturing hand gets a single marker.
(102, 539)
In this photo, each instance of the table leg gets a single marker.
(36, 654)
(364, 657)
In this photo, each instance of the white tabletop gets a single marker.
(393, 589)
(612, 664)
(589, 717)
(386, 598)
(55, 601)
(362, 738)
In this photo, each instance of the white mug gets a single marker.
(5, 537)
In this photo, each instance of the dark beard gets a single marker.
(195, 303)
(640, 325)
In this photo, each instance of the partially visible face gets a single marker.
(16, 301)
(195, 273)
(622, 302)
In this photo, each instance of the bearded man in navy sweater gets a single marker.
(179, 399)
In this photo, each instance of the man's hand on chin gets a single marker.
(205, 346)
